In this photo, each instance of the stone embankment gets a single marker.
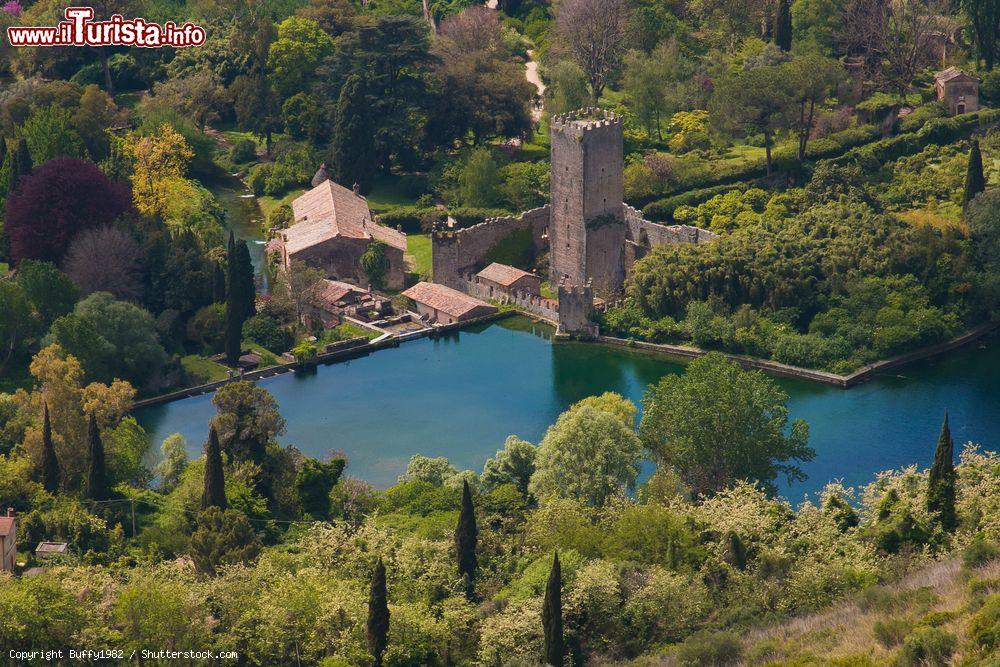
(859, 376)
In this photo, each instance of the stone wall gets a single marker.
(576, 306)
(456, 253)
(644, 235)
(533, 303)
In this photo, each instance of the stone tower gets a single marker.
(586, 228)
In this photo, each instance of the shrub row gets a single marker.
(416, 219)
(938, 131)
(662, 210)
(784, 159)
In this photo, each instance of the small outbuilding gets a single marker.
(49, 549)
(331, 299)
(444, 305)
(958, 91)
(8, 540)
(504, 279)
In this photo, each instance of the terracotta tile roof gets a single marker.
(329, 211)
(445, 299)
(6, 525)
(503, 274)
(951, 73)
(329, 293)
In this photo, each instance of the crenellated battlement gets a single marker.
(588, 119)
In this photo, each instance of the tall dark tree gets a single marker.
(50, 464)
(783, 25)
(377, 629)
(215, 481)
(97, 473)
(352, 149)
(244, 274)
(218, 283)
(552, 621)
(975, 182)
(466, 537)
(20, 164)
(234, 305)
(941, 482)
(984, 19)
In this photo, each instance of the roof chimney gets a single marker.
(357, 190)
(10, 511)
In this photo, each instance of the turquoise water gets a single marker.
(461, 395)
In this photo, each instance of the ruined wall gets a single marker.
(644, 235)
(586, 183)
(533, 303)
(457, 252)
(576, 305)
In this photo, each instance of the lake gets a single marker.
(461, 395)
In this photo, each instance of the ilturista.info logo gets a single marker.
(80, 29)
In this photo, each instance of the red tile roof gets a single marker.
(952, 73)
(445, 299)
(503, 274)
(329, 293)
(329, 211)
(6, 525)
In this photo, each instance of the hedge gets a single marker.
(662, 210)
(939, 131)
(783, 159)
(411, 218)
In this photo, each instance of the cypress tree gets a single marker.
(218, 283)
(97, 474)
(783, 25)
(234, 305)
(20, 164)
(552, 622)
(377, 629)
(244, 274)
(941, 482)
(975, 182)
(353, 156)
(50, 464)
(466, 536)
(215, 481)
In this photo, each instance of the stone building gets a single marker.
(443, 305)
(8, 540)
(331, 300)
(332, 228)
(504, 279)
(957, 90)
(592, 237)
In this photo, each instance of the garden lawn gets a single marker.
(418, 247)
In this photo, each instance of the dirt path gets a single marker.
(530, 72)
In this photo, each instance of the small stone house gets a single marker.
(331, 230)
(332, 299)
(957, 90)
(8, 540)
(503, 279)
(444, 305)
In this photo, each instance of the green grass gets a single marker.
(547, 291)
(267, 358)
(419, 247)
(201, 369)
(268, 203)
(387, 193)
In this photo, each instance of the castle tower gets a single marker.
(586, 227)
